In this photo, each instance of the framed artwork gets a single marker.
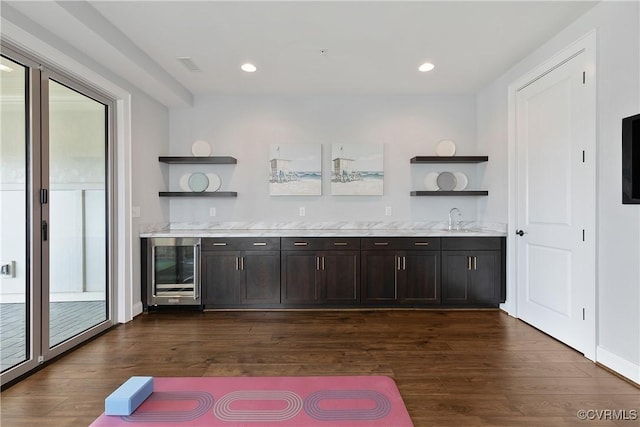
(295, 170)
(357, 169)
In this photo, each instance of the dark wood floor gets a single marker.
(453, 368)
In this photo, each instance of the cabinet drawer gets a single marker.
(472, 243)
(400, 243)
(240, 244)
(320, 243)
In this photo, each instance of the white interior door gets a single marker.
(555, 176)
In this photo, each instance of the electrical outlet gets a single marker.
(212, 212)
(387, 211)
(302, 211)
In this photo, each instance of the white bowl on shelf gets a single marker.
(201, 148)
(446, 148)
(461, 181)
(430, 181)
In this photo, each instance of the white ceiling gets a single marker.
(372, 47)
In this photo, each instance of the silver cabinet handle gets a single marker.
(259, 243)
(475, 262)
(340, 243)
(300, 243)
(323, 263)
(153, 272)
(468, 263)
(219, 243)
(317, 263)
(242, 263)
(196, 272)
(397, 263)
(381, 244)
(237, 263)
(404, 262)
(421, 244)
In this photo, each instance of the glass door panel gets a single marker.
(14, 272)
(77, 206)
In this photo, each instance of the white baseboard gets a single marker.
(137, 309)
(618, 364)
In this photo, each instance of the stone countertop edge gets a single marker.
(321, 233)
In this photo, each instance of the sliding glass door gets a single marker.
(55, 202)
(14, 183)
(77, 227)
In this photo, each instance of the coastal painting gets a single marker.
(295, 170)
(357, 169)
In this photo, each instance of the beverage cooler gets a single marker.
(173, 271)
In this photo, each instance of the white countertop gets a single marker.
(324, 230)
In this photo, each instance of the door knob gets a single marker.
(521, 232)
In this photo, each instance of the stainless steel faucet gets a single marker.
(451, 220)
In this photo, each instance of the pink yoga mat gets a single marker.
(268, 402)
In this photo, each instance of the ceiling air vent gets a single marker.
(189, 64)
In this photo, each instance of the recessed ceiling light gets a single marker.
(248, 67)
(427, 66)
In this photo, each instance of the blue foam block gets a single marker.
(126, 398)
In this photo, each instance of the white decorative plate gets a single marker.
(446, 181)
(184, 182)
(430, 183)
(446, 148)
(214, 182)
(461, 181)
(198, 182)
(201, 148)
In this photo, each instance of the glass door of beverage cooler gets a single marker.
(175, 271)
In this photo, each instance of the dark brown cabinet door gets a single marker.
(422, 277)
(320, 277)
(471, 277)
(220, 278)
(455, 277)
(486, 277)
(300, 278)
(260, 278)
(340, 277)
(233, 278)
(379, 277)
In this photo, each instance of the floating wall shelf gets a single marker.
(194, 194)
(453, 159)
(451, 193)
(196, 160)
(212, 160)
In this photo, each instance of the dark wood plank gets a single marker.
(453, 368)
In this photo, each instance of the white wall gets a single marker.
(618, 96)
(149, 139)
(245, 126)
